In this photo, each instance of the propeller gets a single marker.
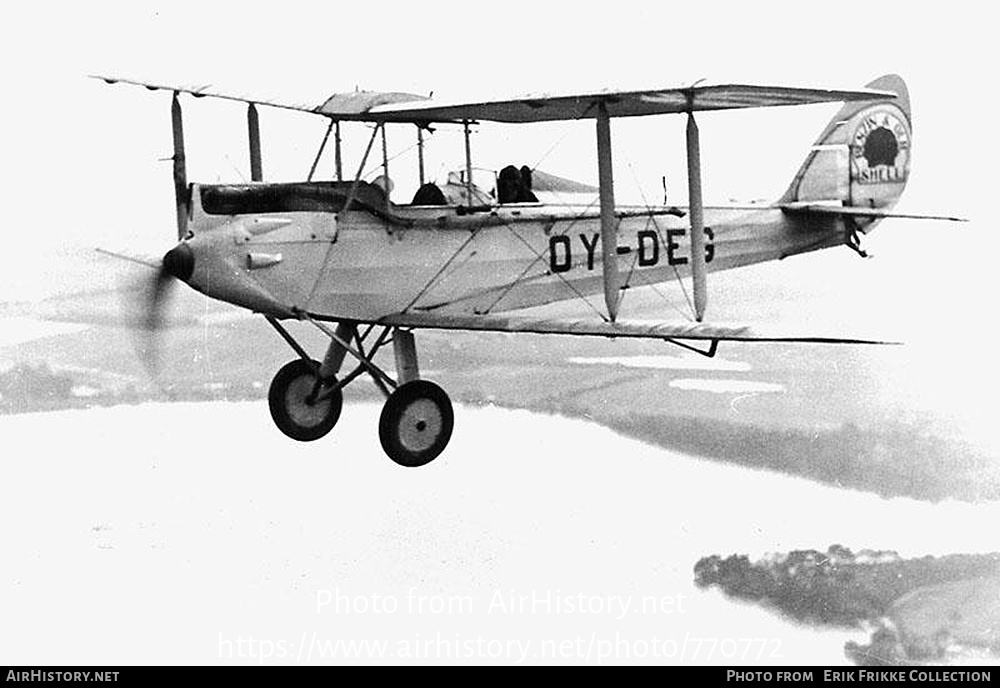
(151, 302)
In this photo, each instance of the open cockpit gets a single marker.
(510, 186)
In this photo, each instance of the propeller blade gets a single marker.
(157, 297)
(177, 265)
(152, 302)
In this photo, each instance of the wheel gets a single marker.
(290, 408)
(416, 423)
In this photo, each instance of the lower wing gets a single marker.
(622, 328)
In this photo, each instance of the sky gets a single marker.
(87, 164)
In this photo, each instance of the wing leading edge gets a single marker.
(620, 328)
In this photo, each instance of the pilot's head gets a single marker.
(383, 183)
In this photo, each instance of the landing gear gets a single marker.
(416, 423)
(306, 396)
(302, 406)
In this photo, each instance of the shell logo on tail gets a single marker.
(880, 146)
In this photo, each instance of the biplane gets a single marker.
(368, 271)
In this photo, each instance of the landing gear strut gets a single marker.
(306, 396)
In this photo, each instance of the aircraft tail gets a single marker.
(862, 157)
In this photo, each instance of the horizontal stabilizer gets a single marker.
(870, 213)
(621, 328)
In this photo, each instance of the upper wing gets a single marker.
(374, 106)
(621, 328)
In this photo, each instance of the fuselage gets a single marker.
(279, 249)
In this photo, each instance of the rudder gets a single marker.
(862, 157)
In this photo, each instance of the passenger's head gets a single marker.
(526, 177)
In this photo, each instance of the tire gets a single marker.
(416, 423)
(290, 411)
